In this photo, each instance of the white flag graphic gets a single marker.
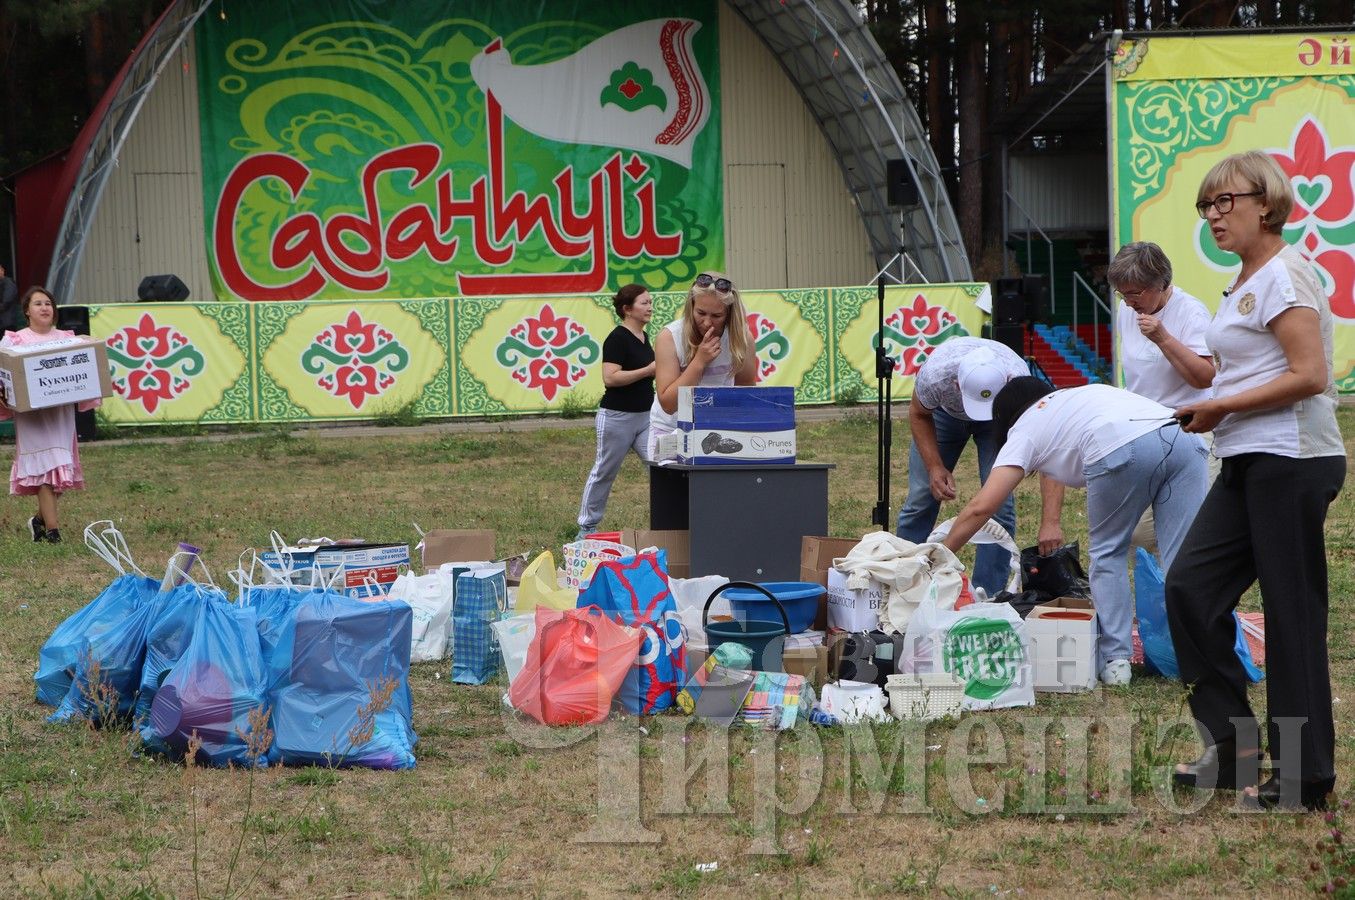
(637, 87)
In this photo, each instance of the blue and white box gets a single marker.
(736, 425)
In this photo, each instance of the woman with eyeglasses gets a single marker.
(1273, 415)
(1161, 331)
(708, 346)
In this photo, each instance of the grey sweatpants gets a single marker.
(617, 432)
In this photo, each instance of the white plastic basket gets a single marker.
(925, 697)
(582, 557)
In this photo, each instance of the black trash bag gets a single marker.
(1023, 602)
(1059, 574)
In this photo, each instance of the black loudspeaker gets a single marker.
(900, 188)
(161, 287)
(73, 318)
(1036, 289)
(76, 319)
(1013, 336)
(1009, 302)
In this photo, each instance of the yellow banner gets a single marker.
(1241, 56)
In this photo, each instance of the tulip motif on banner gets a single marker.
(914, 330)
(547, 352)
(355, 360)
(771, 345)
(1322, 222)
(152, 363)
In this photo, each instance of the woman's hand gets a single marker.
(1050, 539)
(1150, 326)
(1203, 416)
(709, 348)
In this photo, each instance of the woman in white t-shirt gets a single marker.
(707, 346)
(1129, 454)
(1161, 332)
(1274, 420)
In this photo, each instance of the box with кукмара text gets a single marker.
(736, 425)
(53, 373)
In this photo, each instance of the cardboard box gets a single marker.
(816, 558)
(1062, 637)
(853, 610)
(677, 543)
(811, 662)
(734, 425)
(444, 545)
(368, 569)
(69, 370)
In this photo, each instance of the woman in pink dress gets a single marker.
(46, 459)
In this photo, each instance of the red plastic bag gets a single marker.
(575, 665)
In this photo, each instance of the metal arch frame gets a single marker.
(95, 167)
(864, 132)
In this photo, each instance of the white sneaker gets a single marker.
(1116, 672)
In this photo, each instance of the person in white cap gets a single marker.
(952, 403)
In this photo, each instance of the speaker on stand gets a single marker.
(76, 319)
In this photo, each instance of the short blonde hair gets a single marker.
(1142, 263)
(1263, 173)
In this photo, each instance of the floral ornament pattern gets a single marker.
(914, 330)
(547, 352)
(771, 345)
(632, 87)
(1322, 222)
(355, 360)
(152, 363)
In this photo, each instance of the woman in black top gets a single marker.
(623, 414)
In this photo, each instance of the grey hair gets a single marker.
(1141, 263)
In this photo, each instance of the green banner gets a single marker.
(479, 149)
(356, 360)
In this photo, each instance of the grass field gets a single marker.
(1064, 798)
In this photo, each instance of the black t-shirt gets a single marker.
(624, 349)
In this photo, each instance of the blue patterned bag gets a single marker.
(634, 591)
(481, 596)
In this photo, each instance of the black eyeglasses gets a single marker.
(1223, 203)
(723, 285)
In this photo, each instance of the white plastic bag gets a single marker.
(429, 597)
(853, 702)
(983, 643)
(991, 532)
(515, 637)
(691, 594)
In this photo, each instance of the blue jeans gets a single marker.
(992, 564)
(1165, 469)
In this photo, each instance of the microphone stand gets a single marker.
(884, 427)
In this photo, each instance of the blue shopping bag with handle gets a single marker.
(57, 658)
(481, 597)
(1150, 606)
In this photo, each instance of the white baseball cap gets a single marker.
(980, 377)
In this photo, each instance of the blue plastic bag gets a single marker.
(634, 591)
(481, 597)
(118, 654)
(212, 689)
(57, 658)
(1150, 605)
(275, 607)
(168, 638)
(342, 651)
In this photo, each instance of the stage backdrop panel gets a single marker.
(398, 150)
(1181, 104)
(351, 360)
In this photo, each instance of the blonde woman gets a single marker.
(1273, 414)
(708, 346)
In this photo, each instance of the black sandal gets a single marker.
(1221, 767)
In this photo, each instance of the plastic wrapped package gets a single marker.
(345, 699)
(108, 668)
(57, 658)
(168, 638)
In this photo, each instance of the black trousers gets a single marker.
(1261, 521)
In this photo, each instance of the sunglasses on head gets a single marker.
(723, 285)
